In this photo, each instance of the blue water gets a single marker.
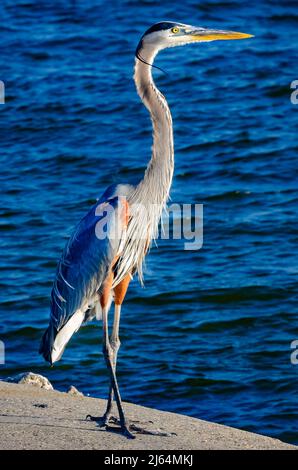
(210, 334)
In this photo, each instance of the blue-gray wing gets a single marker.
(85, 263)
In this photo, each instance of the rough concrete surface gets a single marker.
(34, 418)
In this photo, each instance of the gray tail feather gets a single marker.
(47, 342)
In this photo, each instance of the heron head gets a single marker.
(168, 34)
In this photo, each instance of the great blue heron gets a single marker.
(93, 269)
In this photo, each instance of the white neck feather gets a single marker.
(147, 201)
(159, 173)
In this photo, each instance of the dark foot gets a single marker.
(102, 421)
(124, 428)
(125, 431)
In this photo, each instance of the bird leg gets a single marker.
(120, 292)
(119, 295)
(104, 420)
(115, 345)
(110, 357)
(110, 350)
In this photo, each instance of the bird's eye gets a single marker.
(175, 30)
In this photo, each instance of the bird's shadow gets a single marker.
(54, 425)
(113, 429)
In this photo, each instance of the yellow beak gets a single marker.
(216, 35)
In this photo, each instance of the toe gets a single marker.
(102, 421)
(127, 433)
(91, 418)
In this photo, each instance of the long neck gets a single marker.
(147, 201)
(157, 180)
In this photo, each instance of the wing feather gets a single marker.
(85, 262)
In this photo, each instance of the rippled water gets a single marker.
(210, 333)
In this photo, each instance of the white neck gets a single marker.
(157, 180)
(147, 201)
